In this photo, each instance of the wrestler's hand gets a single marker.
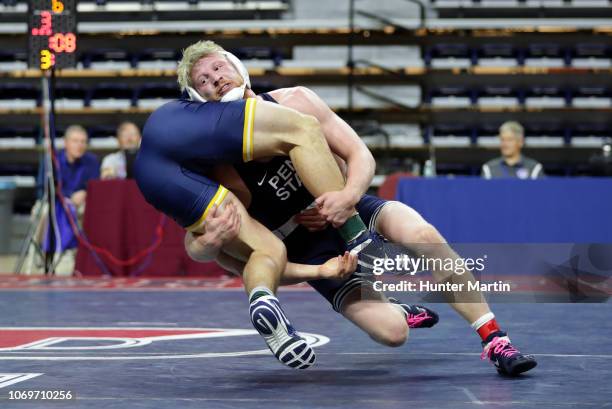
(311, 219)
(221, 227)
(339, 267)
(337, 206)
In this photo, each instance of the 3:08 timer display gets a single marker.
(52, 34)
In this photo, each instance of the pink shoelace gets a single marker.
(500, 346)
(415, 320)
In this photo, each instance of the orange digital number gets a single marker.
(46, 28)
(70, 42)
(63, 43)
(57, 6)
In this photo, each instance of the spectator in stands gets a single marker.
(601, 163)
(512, 164)
(76, 168)
(118, 165)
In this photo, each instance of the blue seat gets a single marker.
(487, 129)
(158, 90)
(546, 55)
(450, 135)
(487, 134)
(19, 136)
(111, 96)
(587, 130)
(70, 96)
(156, 94)
(19, 132)
(590, 135)
(448, 56)
(546, 135)
(591, 97)
(497, 55)
(108, 59)
(19, 96)
(13, 60)
(451, 97)
(157, 58)
(546, 97)
(591, 55)
(101, 131)
(251, 55)
(504, 96)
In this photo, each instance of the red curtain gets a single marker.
(119, 220)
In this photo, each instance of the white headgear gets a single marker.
(234, 94)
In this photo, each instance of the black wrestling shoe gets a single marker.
(371, 247)
(507, 359)
(417, 316)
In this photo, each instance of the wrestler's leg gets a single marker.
(403, 225)
(386, 321)
(381, 320)
(265, 257)
(279, 130)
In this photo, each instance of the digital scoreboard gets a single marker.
(52, 34)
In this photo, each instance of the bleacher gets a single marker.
(448, 80)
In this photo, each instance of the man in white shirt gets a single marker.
(115, 165)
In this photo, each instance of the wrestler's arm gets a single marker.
(341, 138)
(222, 226)
(336, 268)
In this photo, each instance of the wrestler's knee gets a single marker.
(392, 334)
(276, 251)
(272, 258)
(305, 131)
(425, 233)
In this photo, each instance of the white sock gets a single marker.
(482, 320)
(259, 289)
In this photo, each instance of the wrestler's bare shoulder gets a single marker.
(292, 95)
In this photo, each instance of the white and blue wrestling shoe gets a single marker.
(287, 345)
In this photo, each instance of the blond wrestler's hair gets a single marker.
(191, 55)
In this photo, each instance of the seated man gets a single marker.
(118, 165)
(512, 164)
(76, 167)
(272, 192)
(183, 139)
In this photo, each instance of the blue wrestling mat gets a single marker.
(197, 349)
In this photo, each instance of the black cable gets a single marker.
(51, 235)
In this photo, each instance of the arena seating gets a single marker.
(448, 80)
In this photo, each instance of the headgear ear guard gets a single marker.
(234, 94)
